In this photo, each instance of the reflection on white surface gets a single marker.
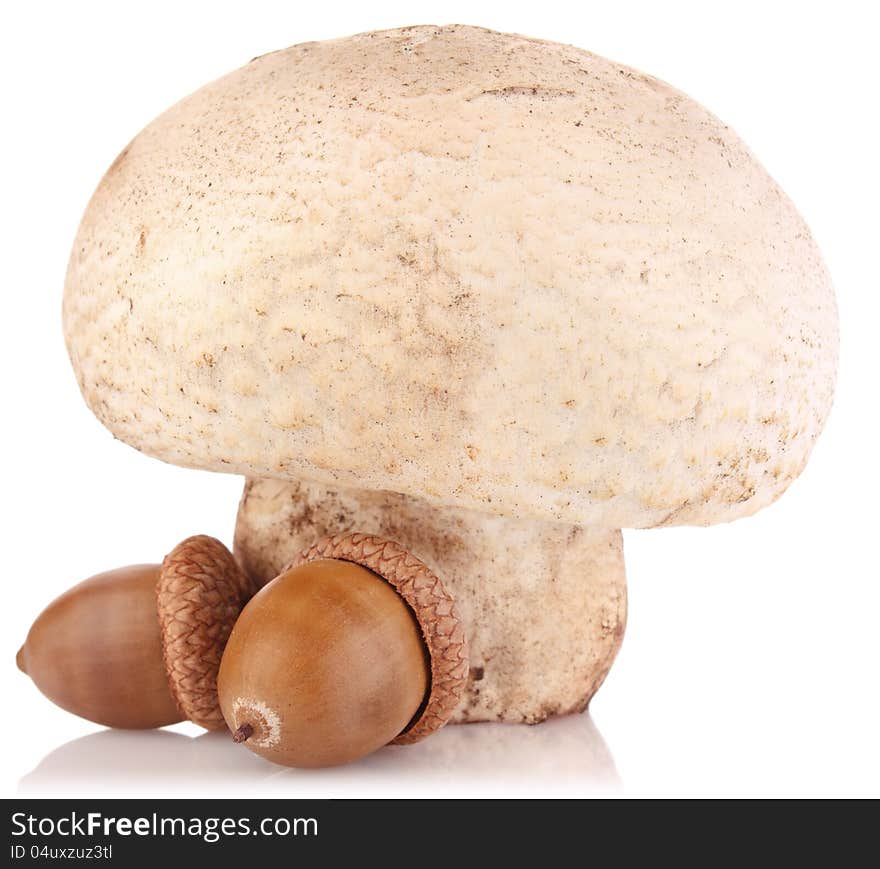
(562, 756)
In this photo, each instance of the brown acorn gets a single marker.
(140, 646)
(355, 646)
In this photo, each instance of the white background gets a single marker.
(751, 659)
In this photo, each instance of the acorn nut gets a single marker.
(140, 646)
(356, 645)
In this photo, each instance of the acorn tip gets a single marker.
(243, 733)
(20, 660)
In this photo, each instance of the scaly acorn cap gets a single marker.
(434, 609)
(199, 594)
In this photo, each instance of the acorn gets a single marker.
(355, 645)
(140, 646)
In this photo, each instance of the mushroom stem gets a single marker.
(543, 604)
(243, 734)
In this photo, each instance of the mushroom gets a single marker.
(489, 297)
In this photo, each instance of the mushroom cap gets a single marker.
(485, 270)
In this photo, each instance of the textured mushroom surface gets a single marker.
(484, 270)
(543, 604)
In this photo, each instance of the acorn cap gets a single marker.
(434, 609)
(200, 592)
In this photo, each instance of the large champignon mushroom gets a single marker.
(487, 296)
